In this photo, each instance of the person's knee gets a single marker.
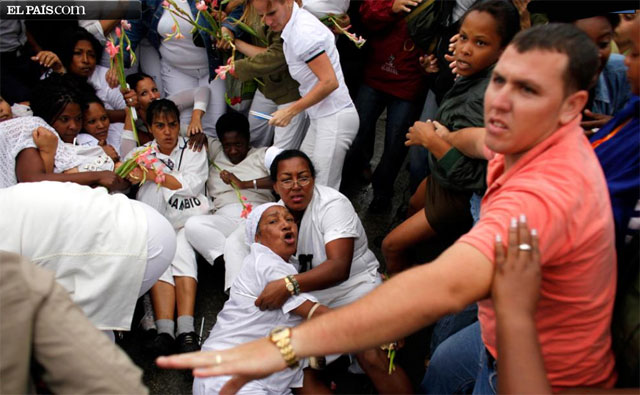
(194, 227)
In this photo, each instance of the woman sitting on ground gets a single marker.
(177, 193)
(236, 163)
(272, 234)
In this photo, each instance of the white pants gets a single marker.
(184, 263)
(327, 142)
(262, 134)
(161, 247)
(177, 79)
(208, 233)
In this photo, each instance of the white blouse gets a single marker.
(306, 38)
(190, 168)
(16, 135)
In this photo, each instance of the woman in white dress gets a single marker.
(313, 60)
(177, 194)
(272, 234)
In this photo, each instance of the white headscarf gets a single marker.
(251, 225)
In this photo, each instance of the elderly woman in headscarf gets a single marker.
(272, 234)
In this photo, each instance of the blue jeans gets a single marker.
(400, 116)
(461, 365)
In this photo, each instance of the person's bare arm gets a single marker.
(400, 306)
(327, 83)
(469, 141)
(329, 273)
(515, 293)
(30, 168)
(261, 183)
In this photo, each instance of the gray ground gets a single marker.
(211, 298)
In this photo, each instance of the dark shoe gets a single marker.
(380, 204)
(188, 342)
(163, 344)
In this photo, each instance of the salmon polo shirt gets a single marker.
(559, 185)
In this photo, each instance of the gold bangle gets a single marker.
(281, 338)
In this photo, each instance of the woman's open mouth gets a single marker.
(289, 238)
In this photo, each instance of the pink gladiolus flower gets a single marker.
(118, 32)
(125, 24)
(244, 198)
(246, 211)
(112, 50)
(128, 48)
(166, 4)
(174, 28)
(179, 36)
(201, 6)
(160, 178)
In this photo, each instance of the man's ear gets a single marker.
(572, 106)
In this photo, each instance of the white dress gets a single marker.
(240, 321)
(95, 243)
(16, 135)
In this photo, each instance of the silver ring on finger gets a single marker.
(218, 359)
(524, 247)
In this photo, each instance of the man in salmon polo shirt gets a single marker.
(544, 172)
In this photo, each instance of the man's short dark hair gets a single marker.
(162, 106)
(233, 121)
(289, 154)
(566, 39)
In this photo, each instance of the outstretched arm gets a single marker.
(407, 302)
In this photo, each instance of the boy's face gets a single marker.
(479, 45)
(5, 110)
(521, 107)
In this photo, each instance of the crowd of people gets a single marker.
(229, 143)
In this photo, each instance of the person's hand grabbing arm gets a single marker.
(424, 134)
(47, 143)
(515, 293)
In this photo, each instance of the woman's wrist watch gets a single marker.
(281, 338)
(292, 285)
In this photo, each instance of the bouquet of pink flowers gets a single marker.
(116, 55)
(142, 161)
